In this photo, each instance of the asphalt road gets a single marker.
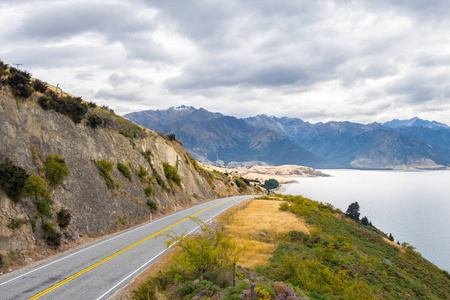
(99, 270)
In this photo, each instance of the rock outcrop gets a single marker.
(28, 134)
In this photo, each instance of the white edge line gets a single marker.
(99, 243)
(190, 232)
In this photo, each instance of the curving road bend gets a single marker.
(99, 270)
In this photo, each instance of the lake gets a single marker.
(412, 205)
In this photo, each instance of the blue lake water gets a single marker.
(412, 205)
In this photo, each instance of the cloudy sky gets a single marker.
(363, 61)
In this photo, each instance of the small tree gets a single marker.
(365, 221)
(95, 120)
(391, 237)
(353, 211)
(271, 184)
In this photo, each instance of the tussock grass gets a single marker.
(262, 223)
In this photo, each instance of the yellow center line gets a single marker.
(115, 254)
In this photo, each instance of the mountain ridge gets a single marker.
(416, 143)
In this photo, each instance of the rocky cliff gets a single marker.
(30, 136)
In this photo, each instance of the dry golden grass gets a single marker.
(262, 223)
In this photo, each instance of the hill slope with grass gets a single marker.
(70, 169)
(296, 248)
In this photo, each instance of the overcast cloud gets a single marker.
(363, 61)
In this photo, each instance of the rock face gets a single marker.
(28, 134)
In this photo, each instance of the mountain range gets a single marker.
(226, 140)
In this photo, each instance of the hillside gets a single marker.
(70, 169)
(223, 140)
(302, 249)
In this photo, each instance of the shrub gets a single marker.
(44, 206)
(240, 183)
(146, 291)
(160, 181)
(284, 206)
(124, 170)
(298, 236)
(149, 191)
(152, 205)
(208, 251)
(63, 218)
(36, 186)
(52, 238)
(15, 223)
(92, 104)
(95, 120)
(3, 68)
(104, 168)
(12, 180)
(55, 169)
(142, 172)
(39, 86)
(20, 83)
(172, 137)
(171, 173)
(74, 108)
(194, 162)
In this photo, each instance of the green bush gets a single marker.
(124, 170)
(39, 86)
(55, 169)
(20, 83)
(142, 172)
(12, 180)
(152, 205)
(44, 206)
(15, 223)
(95, 120)
(63, 218)
(284, 206)
(52, 238)
(36, 186)
(149, 191)
(92, 104)
(171, 173)
(72, 107)
(104, 168)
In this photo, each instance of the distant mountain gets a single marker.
(222, 140)
(215, 138)
(415, 122)
(367, 146)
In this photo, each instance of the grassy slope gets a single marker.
(328, 257)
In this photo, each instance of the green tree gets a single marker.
(271, 184)
(365, 221)
(353, 211)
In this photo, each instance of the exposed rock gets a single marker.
(28, 134)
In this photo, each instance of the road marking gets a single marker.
(117, 253)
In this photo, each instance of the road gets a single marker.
(99, 270)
